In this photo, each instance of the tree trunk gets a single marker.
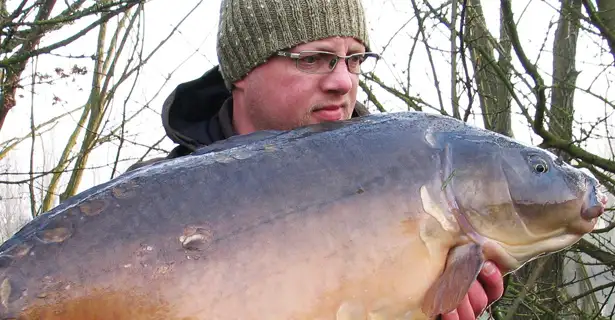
(491, 74)
(560, 124)
(606, 12)
(564, 70)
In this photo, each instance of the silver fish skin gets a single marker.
(387, 216)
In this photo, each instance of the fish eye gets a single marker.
(539, 165)
(540, 168)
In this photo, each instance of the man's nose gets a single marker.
(339, 80)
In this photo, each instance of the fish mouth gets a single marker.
(592, 213)
(593, 207)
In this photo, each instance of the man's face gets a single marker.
(276, 95)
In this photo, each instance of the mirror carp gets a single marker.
(387, 216)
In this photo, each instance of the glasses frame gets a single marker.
(297, 55)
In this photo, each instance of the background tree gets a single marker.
(112, 34)
(23, 26)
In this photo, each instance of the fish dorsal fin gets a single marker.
(237, 140)
(462, 267)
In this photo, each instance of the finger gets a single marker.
(464, 310)
(450, 316)
(478, 298)
(491, 279)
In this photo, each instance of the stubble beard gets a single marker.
(262, 121)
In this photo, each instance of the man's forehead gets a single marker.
(332, 44)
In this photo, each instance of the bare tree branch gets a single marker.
(453, 40)
(14, 65)
(429, 56)
(604, 20)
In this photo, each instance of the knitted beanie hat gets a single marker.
(251, 31)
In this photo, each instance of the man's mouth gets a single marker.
(330, 112)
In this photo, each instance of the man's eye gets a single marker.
(310, 59)
(356, 59)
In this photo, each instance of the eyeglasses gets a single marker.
(324, 62)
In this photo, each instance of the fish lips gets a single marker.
(594, 205)
(592, 212)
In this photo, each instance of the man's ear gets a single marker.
(239, 84)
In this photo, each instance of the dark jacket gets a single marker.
(199, 112)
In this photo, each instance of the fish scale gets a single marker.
(373, 217)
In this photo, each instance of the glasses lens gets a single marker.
(323, 62)
(365, 63)
(315, 62)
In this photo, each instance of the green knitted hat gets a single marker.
(250, 31)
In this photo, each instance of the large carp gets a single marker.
(389, 216)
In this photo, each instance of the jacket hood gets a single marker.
(199, 112)
(190, 114)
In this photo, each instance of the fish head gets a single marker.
(519, 201)
(552, 197)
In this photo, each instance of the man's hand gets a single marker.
(488, 288)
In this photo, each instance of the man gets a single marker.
(270, 77)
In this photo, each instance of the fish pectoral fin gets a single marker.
(462, 267)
